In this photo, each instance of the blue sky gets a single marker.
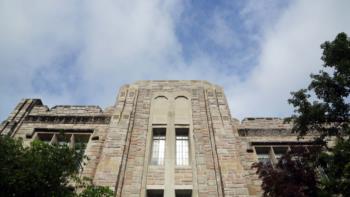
(81, 52)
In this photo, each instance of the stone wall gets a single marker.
(221, 147)
(31, 115)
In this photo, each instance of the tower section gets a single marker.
(171, 138)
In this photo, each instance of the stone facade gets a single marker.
(221, 149)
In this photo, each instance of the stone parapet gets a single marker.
(264, 123)
(263, 126)
(64, 110)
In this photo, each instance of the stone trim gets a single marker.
(58, 130)
(55, 130)
(265, 132)
(286, 143)
(68, 119)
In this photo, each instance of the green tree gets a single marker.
(42, 170)
(327, 114)
(292, 176)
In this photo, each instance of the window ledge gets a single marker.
(183, 167)
(156, 166)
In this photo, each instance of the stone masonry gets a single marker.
(221, 148)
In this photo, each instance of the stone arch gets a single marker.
(179, 97)
(160, 97)
(182, 109)
(160, 108)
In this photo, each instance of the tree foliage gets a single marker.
(292, 176)
(329, 113)
(323, 109)
(336, 167)
(42, 170)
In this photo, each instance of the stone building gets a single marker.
(161, 138)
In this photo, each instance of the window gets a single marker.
(158, 146)
(279, 151)
(273, 152)
(64, 139)
(183, 193)
(74, 140)
(182, 146)
(263, 154)
(298, 148)
(80, 141)
(155, 193)
(45, 137)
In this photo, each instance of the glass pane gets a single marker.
(158, 146)
(314, 148)
(155, 193)
(264, 158)
(81, 141)
(63, 139)
(298, 149)
(263, 154)
(279, 151)
(183, 193)
(45, 137)
(182, 152)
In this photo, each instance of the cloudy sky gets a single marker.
(81, 52)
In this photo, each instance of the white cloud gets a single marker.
(108, 43)
(290, 52)
(221, 32)
(34, 37)
(125, 42)
(81, 53)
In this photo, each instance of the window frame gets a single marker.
(182, 134)
(183, 192)
(155, 192)
(161, 133)
(272, 146)
(68, 136)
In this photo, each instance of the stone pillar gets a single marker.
(224, 139)
(112, 161)
(17, 116)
